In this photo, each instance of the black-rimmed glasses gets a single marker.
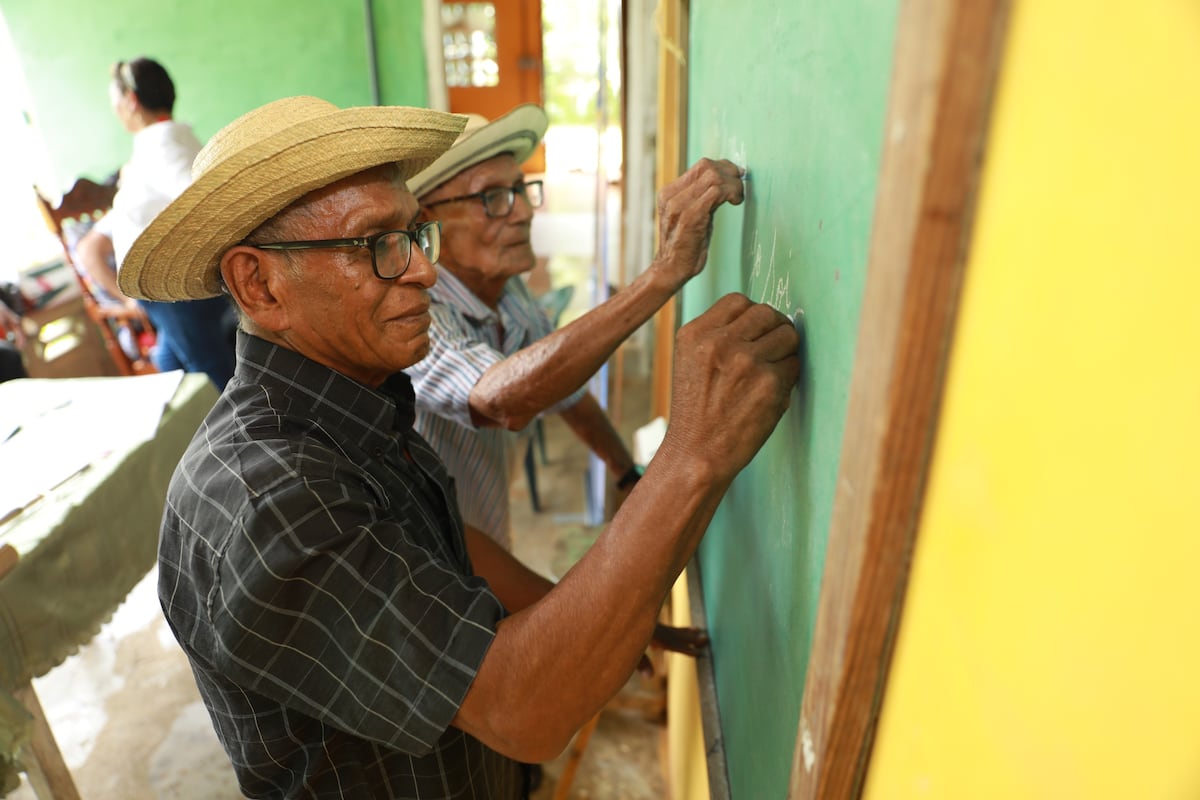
(498, 201)
(391, 251)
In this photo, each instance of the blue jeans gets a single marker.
(195, 336)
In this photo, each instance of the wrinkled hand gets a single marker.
(735, 366)
(11, 323)
(685, 212)
(687, 641)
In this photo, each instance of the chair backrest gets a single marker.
(86, 202)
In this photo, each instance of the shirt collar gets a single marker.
(329, 397)
(453, 292)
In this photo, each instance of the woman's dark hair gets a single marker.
(147, 79)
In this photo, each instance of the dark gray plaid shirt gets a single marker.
(313, 567)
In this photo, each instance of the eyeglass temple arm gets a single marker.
(311, 244)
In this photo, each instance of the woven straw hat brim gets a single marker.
(517, 132)
(249, 172)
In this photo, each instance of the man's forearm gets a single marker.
(553, 665)
(570, 652)
(93, 252)
(514, 391)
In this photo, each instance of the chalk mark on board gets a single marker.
(756, 267)
(776, 291)
(762, 296)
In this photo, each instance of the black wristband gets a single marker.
(630, 477)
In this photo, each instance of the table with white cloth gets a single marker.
(84, 469)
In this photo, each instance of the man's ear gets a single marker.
(253, 279)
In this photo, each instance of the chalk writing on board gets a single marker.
(737, 149)
(775, 290)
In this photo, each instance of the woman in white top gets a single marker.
(196, 336)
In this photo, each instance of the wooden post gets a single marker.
(40, 757)
(563, 788)
(947, 56)
(670, 151)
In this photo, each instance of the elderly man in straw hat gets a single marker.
(495, 362)
(349, 639)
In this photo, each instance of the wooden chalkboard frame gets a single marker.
(947, 55)
(671, 21)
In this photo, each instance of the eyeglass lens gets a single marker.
(393, 250)
(498, 202)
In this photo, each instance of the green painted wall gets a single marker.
(225, 58)
(797, 92)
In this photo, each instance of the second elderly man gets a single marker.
(495, 361)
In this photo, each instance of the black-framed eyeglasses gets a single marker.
(498, 201)
(391, 251)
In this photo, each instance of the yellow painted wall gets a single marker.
(1050, 642)
(687, 767)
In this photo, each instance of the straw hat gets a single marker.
(260, 164)
(517, 132)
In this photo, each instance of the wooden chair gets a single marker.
(80, 207)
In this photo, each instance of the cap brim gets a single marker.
(518, 132)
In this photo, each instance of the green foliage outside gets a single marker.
(572, 61)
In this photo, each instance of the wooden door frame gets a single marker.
(947, 57)
(438, 97)
(671, 154)
(518, 35)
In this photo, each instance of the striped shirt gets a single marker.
(312, 566)
(465, 341)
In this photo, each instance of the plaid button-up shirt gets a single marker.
(313, 567)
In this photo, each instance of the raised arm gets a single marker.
(557, 662)
(94, 253)
(515, 390)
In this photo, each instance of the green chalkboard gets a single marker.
(797, 92)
